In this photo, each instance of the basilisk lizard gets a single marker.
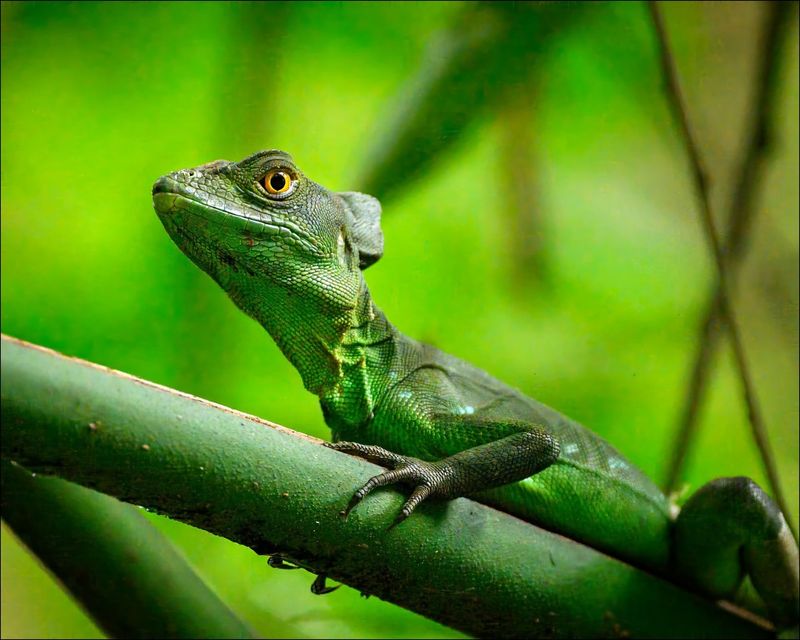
(290, 253)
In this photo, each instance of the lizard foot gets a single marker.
(427, 478)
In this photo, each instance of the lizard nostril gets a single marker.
(162, 185)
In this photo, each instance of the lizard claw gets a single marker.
(319, 586)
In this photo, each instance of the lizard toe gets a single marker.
(278, 561)
(381, 480)
(378, 455)
(418, 495)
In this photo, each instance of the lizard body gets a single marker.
(431, 405)
(290, 253)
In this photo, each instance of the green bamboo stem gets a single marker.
(461, 563)
(127, 576)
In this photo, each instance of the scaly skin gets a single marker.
(290, 254)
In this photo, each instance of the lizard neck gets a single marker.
(335, 350)
(367, 348)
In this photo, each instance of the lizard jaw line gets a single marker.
(168, 202)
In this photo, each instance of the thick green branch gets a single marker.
(127, 576)
(461, 563)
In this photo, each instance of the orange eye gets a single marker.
(277, 182)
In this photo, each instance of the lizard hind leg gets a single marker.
(730, 528)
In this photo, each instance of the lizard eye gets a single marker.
(277, 182)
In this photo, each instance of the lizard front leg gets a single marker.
(527, 450)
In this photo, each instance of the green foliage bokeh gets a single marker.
(100, 99)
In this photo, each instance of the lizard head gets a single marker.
(265, 232)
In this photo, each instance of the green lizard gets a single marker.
(290, 253)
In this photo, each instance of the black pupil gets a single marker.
(277, 181)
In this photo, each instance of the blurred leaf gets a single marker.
(490, 51)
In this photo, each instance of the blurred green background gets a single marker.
(99, 100)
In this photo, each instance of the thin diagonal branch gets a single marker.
(741, 211)
(677, 105)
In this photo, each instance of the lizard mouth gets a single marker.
(169, 197)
